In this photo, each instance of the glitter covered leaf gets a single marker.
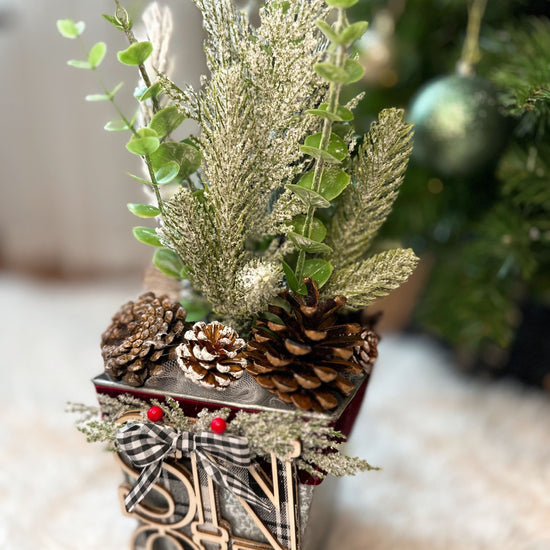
(378, 173)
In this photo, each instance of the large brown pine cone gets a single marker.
(139, 336)
(212, 356)
(366, 353)
(303, 358)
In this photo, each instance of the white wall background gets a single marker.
(63, 182)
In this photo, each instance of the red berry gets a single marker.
(154, 414)
(218, 425)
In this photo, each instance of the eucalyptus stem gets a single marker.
(107, 92)
(334, 97)
(122, 16)
(154, 183)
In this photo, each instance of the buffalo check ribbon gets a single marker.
(225, 458)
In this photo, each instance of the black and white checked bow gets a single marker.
(225, 458)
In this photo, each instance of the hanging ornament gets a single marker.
(458, 128)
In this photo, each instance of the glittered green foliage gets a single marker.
(252, 117)
(364, 281)
(266, 432)
(378, 172)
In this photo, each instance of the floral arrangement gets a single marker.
(268, 217)
(270, 212)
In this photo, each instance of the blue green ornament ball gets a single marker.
(458, 129)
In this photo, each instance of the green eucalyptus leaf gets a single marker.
(97, 97)
(352, 33)
(196, 310)
(69, 29)
(342, 4)
(319, 270)
(166, 120)
(342, 113)
(148, 93)
(114, 21)
(271, 317)
(168, 262)
(282, 303)
(317, 153)
(308, 245)
(143, 210)
(333, 182)
(166, 173)
(79, 64)
(145, 143)
(308, 197)
(328, 31)
(136, 54)
(318, 229)
(116, 89)
(298, 287)
(337, 147)
(116, 126)
(352, 71)
(187, 156)
(141, 180)
(97, 53)
(146, 235)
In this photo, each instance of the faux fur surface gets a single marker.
(466, 464)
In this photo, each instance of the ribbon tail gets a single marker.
(143, 485)
(232, 480)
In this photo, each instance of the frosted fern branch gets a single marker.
(378, 172)
(365, 281)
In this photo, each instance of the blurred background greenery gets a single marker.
(475, 204)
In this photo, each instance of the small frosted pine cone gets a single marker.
(304, 358)
(140, 336)
(366, 353)
(212, 356)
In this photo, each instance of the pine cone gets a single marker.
(139, 335)
(303, 359)
(212, 356)
(366, 353)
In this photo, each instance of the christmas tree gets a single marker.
(477, 196)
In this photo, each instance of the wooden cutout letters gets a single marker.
(200, 525)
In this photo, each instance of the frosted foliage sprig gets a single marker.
(258, 282)
(378, 172)
(267, 432)
(364, 281)
(252, 117)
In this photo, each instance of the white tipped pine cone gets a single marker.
(212, 356)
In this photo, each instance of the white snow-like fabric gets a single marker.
(466, 465)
